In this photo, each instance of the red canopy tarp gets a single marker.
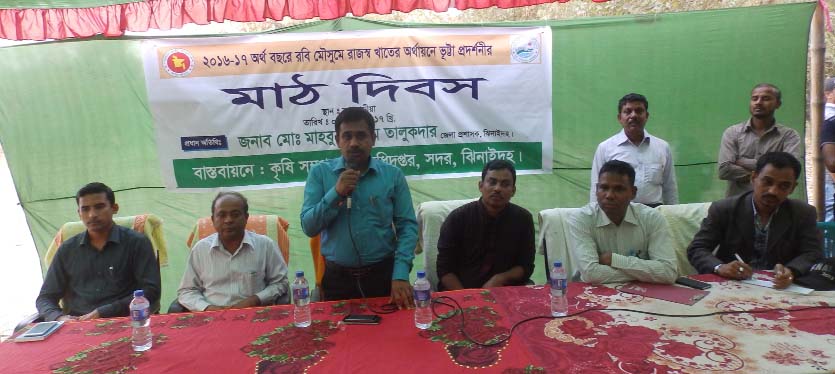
(114, 20)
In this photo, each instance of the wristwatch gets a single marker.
(716, 268)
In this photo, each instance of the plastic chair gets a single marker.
(430, 217)
(147, 224)
(318, 267)
(828, 231)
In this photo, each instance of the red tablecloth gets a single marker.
(263, 340)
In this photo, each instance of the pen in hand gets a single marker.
(741, 270)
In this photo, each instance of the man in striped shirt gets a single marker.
(232, 268)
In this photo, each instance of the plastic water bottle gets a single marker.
(140, 315)
(559, 283)
(301, 300)
(423, 294)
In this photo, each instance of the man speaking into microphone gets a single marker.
(362, 208)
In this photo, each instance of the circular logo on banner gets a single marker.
(524, 49)
(178, 62)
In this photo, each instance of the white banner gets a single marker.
(258, 111)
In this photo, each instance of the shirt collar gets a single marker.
(748, 127)
(603, 219)
(623, 139)
(339, 164)
(216, 244)
(483, 210)
(757, 221)
(114, 236)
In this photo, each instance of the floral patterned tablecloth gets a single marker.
(263, 340)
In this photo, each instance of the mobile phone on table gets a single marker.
(362, 319)
(692, 283)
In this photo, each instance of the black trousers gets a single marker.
(342, 283)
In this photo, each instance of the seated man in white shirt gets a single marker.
(616, 240)
(233, 268)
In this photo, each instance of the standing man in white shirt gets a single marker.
(232, 268)
(650, 156)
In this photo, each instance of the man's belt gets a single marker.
(360, 271)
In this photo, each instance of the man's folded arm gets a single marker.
(585, 252)
(661, 265)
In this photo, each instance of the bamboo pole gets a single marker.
(816, 52)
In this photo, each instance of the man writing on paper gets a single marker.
(362, 208)
(96, 272)
(616, 240)
(763, 228)
(234, 267)
(489, 242)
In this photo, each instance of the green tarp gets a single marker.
(76, 111)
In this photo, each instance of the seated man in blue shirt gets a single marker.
(362, 208)
(96, 272)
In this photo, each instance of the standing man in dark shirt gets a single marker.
(489, 242)
(96, 272)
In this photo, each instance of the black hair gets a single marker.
(630, 97)
(231, 193)
(620, 168)
(779, 160)
(93, 188)
(499, 165)
(354, 114)
(777, 93)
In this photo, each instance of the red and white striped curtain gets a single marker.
(114, 20)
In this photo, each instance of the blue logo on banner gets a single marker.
(204, 143)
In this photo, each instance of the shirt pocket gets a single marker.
(251, 282)
(653, 173)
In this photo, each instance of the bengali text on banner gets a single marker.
(258, 111)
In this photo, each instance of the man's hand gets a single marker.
(498, 280)
(605, 258)
(66, 317)
(92, 315)
(783, 277)
(211, 308)
(735, 270)
(247, 303)
(401, 294)
(347, 182)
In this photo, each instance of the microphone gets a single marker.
(352, 166)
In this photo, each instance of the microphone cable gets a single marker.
(457, 310)
(387, 308)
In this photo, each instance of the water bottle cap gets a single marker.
(557, 264)
(299, 273)
(138, 293)
(421, 274)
